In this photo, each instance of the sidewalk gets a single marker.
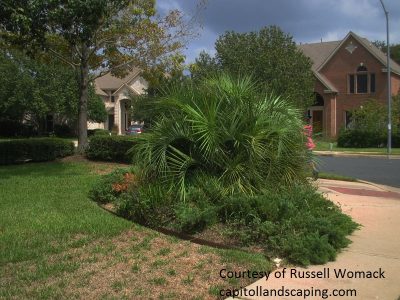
(375, 247)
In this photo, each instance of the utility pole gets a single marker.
(389, 92)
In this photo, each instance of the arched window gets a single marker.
(361, 82)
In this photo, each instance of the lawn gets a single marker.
(56, 244)
(325, 146)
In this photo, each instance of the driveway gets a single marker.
(374, 252)
(378, 170)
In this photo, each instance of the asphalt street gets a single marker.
(378, 170)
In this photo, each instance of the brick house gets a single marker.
(347, 73)
(115, 93)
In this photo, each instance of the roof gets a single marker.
(110, 82)
(382, 57)
(318, 52)
(321, 53)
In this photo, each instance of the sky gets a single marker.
(306, 20)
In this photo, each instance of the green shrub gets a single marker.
(224, 128)
(368, 127)
(296, 223)
(357, 138)
(103, 191)
(34, 149)
(191, 218)
(220, 152)
(110, 148)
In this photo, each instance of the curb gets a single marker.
(386, 188)
(383, 187)
(356, 154)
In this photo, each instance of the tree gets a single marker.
(204, 66)
(394, 50)
(30, 87)
(270, 56)
(95, 37)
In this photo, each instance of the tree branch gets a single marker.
(59, 56)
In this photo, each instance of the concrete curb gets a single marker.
(356, 154)
(386, 188)
(383, 187)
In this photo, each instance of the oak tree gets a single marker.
(95, 37)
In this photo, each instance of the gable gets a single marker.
(348, 56)
(138, 84)
(352, 43)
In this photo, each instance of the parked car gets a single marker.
(134, 129)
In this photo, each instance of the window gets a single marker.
(372, 83)
(362, 82)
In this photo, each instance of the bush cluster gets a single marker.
(110, 148)
(296, 223)
(357, 138)
(368, 127)
(34, 149)
(220, 153)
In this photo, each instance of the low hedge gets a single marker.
(34, 149)
(110, 148)
(355, 138)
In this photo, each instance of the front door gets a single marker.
(317, 118)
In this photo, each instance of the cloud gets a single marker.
(305, 20)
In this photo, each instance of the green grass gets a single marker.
(325, 146)
(57, 244)
(44, 209)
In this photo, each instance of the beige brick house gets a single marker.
(347, 73)
(115, 93)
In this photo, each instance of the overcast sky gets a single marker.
(306, 20)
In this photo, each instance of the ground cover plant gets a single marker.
(55, 244)
(222, 154)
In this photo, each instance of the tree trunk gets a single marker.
(83, 100)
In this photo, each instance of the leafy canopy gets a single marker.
(30, 86)
(269, 55)
(95, 37)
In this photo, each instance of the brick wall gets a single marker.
(336, 71)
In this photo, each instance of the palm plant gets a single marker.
(224, 130)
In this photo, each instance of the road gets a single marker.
(378, 170)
